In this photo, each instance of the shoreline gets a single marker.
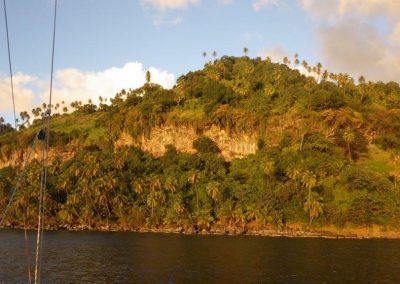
(291, 231)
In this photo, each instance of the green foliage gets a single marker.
(317, 162)
(205, 145)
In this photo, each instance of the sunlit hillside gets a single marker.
(243, 144)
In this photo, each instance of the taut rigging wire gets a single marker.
(43, 183)
(9, 63)
(44, 135)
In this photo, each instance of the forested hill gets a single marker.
(251, 145)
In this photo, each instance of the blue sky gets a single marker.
(96, 39)
(94, 35)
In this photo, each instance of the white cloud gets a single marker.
(389, 8)
(350, 40)
(72, 84)
(23, 94)
(226, 2)
(259, 4)
(163, 5)
(276, 54)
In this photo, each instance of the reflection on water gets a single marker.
(133, 257)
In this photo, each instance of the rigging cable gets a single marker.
(15, 126)
(9, 63)
(19, 180)
(46, 128)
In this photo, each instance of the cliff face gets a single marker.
(19, 157)
(231, 145)
(182, 137)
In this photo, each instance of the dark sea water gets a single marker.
(90, 257)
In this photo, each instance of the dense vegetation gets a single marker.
(328, 153)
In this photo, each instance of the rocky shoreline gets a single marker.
(295, 231)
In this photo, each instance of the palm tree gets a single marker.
(269, 167)
(295, 174)
(205, 56)
(137, 187)
(318, 70)
(305, 65)
(286, 60)
(179, 207)
(361, 80)
(309, 180)
(152, 201)
(325, 75)
(214, 54)
(396, 171)
(193, 179)
(334, 77)
(148, 77)
(296, 59)
(277, 75)
(213, 190)
(349, 137)
(170, 184)
(245, 51)
(313, 206)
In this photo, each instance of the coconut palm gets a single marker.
(193, 179)
(313, 206)
(148, 76)
(305, 65)
(205, 55)
(349, 137)
(318, 69)
(213, 190)
(286, 61)
(170, 184)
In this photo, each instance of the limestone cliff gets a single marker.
(182, 137)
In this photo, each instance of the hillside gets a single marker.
(242, 145)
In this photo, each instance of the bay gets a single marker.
(99, 257)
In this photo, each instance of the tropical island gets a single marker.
(244, 146)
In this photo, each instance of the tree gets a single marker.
(396, 169)
(205, 56)
(313, 206)
(245, 51)
(296, 60)
(214, 54)
(170, 184)
(305, 65)
(148, 76)
(318, 70)
(286, 60)
(193, 179)
(325, 75)
(349, 137)
(213, 190)
(361, 80)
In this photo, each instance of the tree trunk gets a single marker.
(197, 199)
(302, 141)
(348, 147)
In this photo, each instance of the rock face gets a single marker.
(232, 146)
(182, 137)
(19, 157)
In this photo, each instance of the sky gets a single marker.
(103, 46)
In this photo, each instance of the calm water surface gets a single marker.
(89, 257)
